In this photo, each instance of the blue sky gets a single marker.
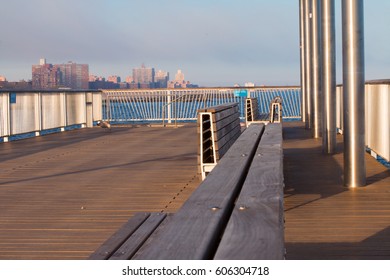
(214, 42)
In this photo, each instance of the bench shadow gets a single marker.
(307, 170)
(311, 177)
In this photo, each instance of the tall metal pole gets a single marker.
(308, 62)
(353, 79)
(328, 76)
(316, 68)
(302, 12)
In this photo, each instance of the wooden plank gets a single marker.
(223, 150)
(225, 114)
(63, 195)
(195, 229)
(255, 229)
(112, 244)
(325, 220)
(221, 123)
(138, 238)
(218, 108)
(223, 136)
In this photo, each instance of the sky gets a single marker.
(214, 42)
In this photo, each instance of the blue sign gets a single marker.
(241, 93)
(12, 98)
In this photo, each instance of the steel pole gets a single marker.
(353, 79)
(316, 70)
(302, 19)
(328, 76)
(308, 62)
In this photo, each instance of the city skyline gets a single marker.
(216, 42)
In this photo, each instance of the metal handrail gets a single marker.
(170, 103)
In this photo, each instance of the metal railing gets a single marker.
(38, 111)
(26, 112)
(181, 105)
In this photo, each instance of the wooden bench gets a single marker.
(218, 128)
(235, 213)
(252, 114)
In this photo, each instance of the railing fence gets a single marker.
(123, 106)
(34, 112)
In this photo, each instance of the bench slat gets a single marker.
(138, 238)
(218, 108)
(195, 229)
(255, 229)
(116, 240)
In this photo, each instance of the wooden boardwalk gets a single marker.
(325, 220)
(63, 195)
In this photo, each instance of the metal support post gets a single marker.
(328, 76)
(169, 106)
(89, 108)
(316, 70)
(353, 79)
(308, 62)
(302, 19)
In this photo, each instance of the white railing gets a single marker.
(34, 112)
(182, 104)
(377, 117)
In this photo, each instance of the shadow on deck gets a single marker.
(63, 195)
(325, 220)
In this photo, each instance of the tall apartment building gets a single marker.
(45, 76)
(179, 81)
(69, 75)
(179, 77)
(74, 76)
(161, 79)
(144, 77)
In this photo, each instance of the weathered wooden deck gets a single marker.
(325, 220)
(63, 195)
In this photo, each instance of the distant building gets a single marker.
(161, 79)
(3, 79)
(93, 78)
(144, 77)
(74, 76)
(129, 79)
(179, 77)
(114, 79)
(45, 76)
(249, 84)
(21, 85)
(70, 75)
(98, 84)
(180, 82)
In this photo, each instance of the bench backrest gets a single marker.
(251, 110)
(276, 110)
(218, 129)
(252, 114)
